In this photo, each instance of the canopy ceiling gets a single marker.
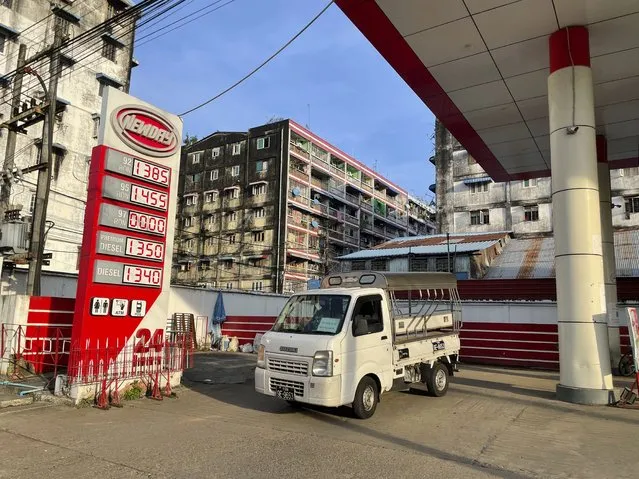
(481, 66)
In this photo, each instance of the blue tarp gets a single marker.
(218, 317)
(219, 313)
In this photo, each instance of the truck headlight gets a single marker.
(323, 363)
(260, 357)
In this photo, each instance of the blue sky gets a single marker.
(357, 101)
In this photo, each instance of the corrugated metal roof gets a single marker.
(535, 258)
(440, 239)
(440, 249)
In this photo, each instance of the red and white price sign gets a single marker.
(144, 249)
(131, 220)
(133, 167)
(127, 192)
(114, 244)
(151, 172)
(142, 276)
(125, 261)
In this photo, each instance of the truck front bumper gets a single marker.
(308, 389)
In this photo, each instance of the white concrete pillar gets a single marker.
(584, 357)
(608, 250)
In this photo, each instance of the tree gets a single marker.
(189, 140)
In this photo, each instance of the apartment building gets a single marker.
(273, 208)
(469, 201)
(84, 71)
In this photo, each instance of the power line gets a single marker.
(91, 50)
(186, 23)
(264, 63)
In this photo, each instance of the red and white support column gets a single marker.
(608, 250)
(584, 357)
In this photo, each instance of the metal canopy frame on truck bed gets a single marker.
(418, 298)
(391, 281)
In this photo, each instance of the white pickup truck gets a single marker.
(360, 335)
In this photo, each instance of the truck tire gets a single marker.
(366, 398)
(437, 380)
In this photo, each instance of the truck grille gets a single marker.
(285, 366)
(296, 386)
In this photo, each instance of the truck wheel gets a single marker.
(366, 398)
(437, 380)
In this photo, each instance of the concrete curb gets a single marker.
(23, 401)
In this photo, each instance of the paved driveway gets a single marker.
(493, 423)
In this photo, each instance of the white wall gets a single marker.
(201, 302)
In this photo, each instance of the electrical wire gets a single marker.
(260, 66)
(142, 9)
(91, 50)
(184, 24)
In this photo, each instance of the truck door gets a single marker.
(368, 345)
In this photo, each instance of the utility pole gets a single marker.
(38, 227)
(10, 151)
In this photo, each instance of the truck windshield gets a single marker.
(313, 314)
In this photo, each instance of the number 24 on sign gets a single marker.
(148, 342)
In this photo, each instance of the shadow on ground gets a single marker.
(229, 378)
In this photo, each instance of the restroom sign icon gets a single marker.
(100, 306)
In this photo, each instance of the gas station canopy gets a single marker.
(481, 67)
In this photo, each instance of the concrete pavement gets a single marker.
(493, 423)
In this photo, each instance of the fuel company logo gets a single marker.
(145, 131)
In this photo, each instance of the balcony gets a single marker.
(297, 269)
(352, 198)
(300, 175)
(336, 234)
(297, 221)
(366, 206)
(321, 163)
(351, 219)
(337, 191)
(337, 171)
(352, 240)
(322, 184)
(320, 207)
(367, 226)
(299, 151)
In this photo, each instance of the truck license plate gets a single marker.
(285, 393)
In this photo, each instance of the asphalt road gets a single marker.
(493, 423)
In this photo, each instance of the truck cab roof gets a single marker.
(389, 281)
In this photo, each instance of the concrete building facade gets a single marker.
(274, 207)
(469, 201)
(85, 69)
